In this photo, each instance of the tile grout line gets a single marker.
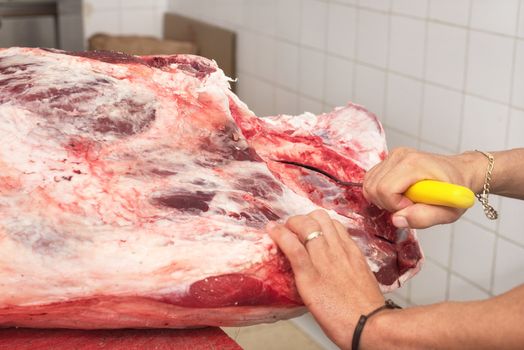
(325, 55)
(299, 60)
(512, 241)
(385, 91)
(355, 53)
(475, 284)
(454, 232)
(424, 73)
(274, 66)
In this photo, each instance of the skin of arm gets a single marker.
(337, 286)
(495, 323)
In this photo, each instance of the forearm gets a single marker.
(508, 173)
(495, 323)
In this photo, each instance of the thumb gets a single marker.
(425, 215)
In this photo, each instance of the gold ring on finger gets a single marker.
(312, 236)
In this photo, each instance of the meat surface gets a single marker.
(134, 192)
(124, 339)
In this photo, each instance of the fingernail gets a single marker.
(400, 221)
(271, 225)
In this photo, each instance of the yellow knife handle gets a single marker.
(441, 193)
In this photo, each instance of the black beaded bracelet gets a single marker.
(390, 304)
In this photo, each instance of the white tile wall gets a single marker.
(430, 285)
(247, 52)
(462, 290)
(495, 15)
(472, 253)
(418, 8)
(428, 147)
(436, 242)
(485, 124)
(518, 75)
(288, 19)
(314, 23)
(231, 11)
(340, 72)
(403, 292)
(312, 69)
(265, 57)
(508, 266)
(261, 15)
(442, 116)
(287, 56)
(246, 87)
(516, 129)
(369, 88)
(310, 105)
(403, 104)
(442, 75)
(139, 20)
(408, 38)
(383, 5)
(103, 21)
(521, 22)
(264, 92)
(124, 17)
(512, 219)
(445, 58)
(450, 11)
(341, 30)
(372, 37)
(100, 5)
(485, 52)
(397, 138)
(286, 102)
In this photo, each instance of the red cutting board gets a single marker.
(121, 339)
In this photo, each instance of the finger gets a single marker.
(375, 188)
(374, 174)
(292, 248)
(389, 192)
(370, 181)
(302, 226)
(326, 226)
(344, 234)
(349, 246)
(423, 215)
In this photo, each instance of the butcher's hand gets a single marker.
(385, 184)
(331, 273)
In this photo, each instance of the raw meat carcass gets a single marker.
(209, 338)
(134, 192)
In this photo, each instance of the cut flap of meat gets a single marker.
(134, 192)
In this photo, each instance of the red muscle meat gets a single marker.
(134, 192)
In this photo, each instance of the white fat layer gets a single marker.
(346, 128)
